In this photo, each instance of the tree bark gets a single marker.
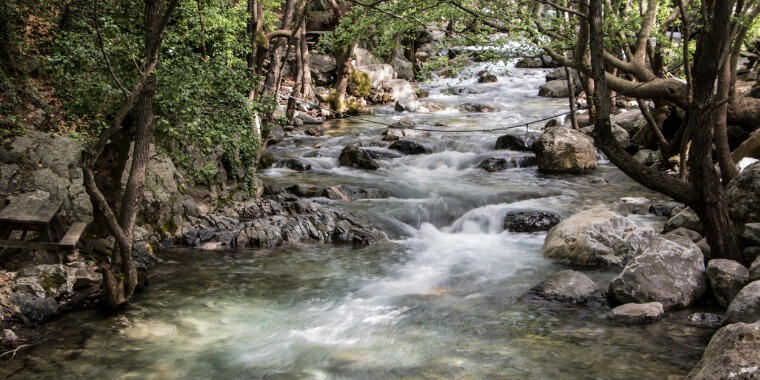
(710, 203)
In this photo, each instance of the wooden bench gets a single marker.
(31, 212)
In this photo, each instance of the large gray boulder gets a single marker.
(667, 271)
(637, 313)
(743, 195)
(591, 237)
(402, 89)
(733, 353)
(745, 306)
(751, 234)
(727, 277)
(565, 150)
(568, 286)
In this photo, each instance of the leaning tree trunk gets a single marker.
(307, 90)
(120, 277)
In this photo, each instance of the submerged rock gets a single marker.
(487, 78)
(568, 286)
(727, 277)
(731, 354)
(530, 221)
(666, 271)
(637, 313)
(357, 158)
(705, 320)
(564, 150)
(592, 237)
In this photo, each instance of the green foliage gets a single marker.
(201, 102)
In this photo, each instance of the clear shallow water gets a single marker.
(439, 301)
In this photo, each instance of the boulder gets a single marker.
(743, 195)
(522, 142)
(409, 105)
(323, 69)
(686, 218)
(378, 73)
(621, 135)
(294, 164)
(402, 89)
(751, 234)
(530, 221)
(632, 121)
(555, 89)
(754, 270)
(495, 164)
(409, 147)
(530, 63)
(357, 158)
(666, 271)
(727, 277)
(591, 237)
(8, 338)
(568, 286)
(731, 354)
(315, 131)
(475, 108)
(382, 154)
(353, 192)
(564, 150)
(487, 78)
(307, 118)
(637, 313)
(745, 307)
(404, 69)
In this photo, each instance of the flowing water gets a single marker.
(441, 300)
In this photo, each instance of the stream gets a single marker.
(439, 300)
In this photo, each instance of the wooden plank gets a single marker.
(48, 210)
(30, 245)
(73, 234)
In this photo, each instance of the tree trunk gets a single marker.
(571, 98)
(727, 166)
(343, 60)
(710, 203)
(307, 90)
